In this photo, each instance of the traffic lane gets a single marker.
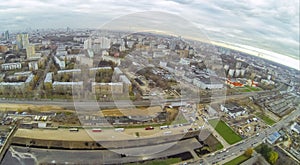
(102, 156)
(233, 151)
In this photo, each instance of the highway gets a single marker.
(239, 148)
(22, 155)
(91, 104)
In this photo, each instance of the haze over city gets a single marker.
(272, 25)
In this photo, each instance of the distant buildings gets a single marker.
(97, 44)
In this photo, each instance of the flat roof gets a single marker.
(67, 83)
(125, 79)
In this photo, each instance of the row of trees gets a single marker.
(268, 153)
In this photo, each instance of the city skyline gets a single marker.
(269, 25)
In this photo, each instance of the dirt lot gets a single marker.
(144, 111)
(28, 107)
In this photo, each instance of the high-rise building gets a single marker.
(22, 41)
(97, 44)
(30, 51)
(25, 40)
(87, 44)
(6, 35)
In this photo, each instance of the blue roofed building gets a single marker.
(273, 137)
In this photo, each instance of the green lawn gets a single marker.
(180, 119)
(254, 88)
(219, 146)
(225, 131)
(248, 89)
(237, 160)
(265, 118)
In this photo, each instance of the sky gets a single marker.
(266, 24)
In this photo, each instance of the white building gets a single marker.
(60, 63)
(184, 61)
(30, 51)
(11, 66)
(33, 65)
(295, 127)
(70, 87)
(207, 83)
(48, 78)
(107, 88)
(126, 83)
(232, 110)
(72, 71)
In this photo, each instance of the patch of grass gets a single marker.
(219, 146)
(180, 119)
(265, 118)
(248, 89)
(159, 162)
(225, 131)
(254, 88)
(237, 160)
(245, 90)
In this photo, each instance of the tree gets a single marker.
(248, 152)
(273, 156)
(264, 150)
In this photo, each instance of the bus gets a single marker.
(96, 130)
(119, 129)
(164, 127)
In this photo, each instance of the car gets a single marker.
(149, 128)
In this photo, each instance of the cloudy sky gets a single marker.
(267, 24)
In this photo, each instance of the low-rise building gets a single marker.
(48, 78)
(11, 66)
(107, 88)
(67, 87)
(273, 137)
(126, 83)
(207, 83)
(232, 110)
(295, 127)
(60, 63)
(33, 65)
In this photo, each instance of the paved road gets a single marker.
(25, 156)
(92, 104)
(238, 149)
